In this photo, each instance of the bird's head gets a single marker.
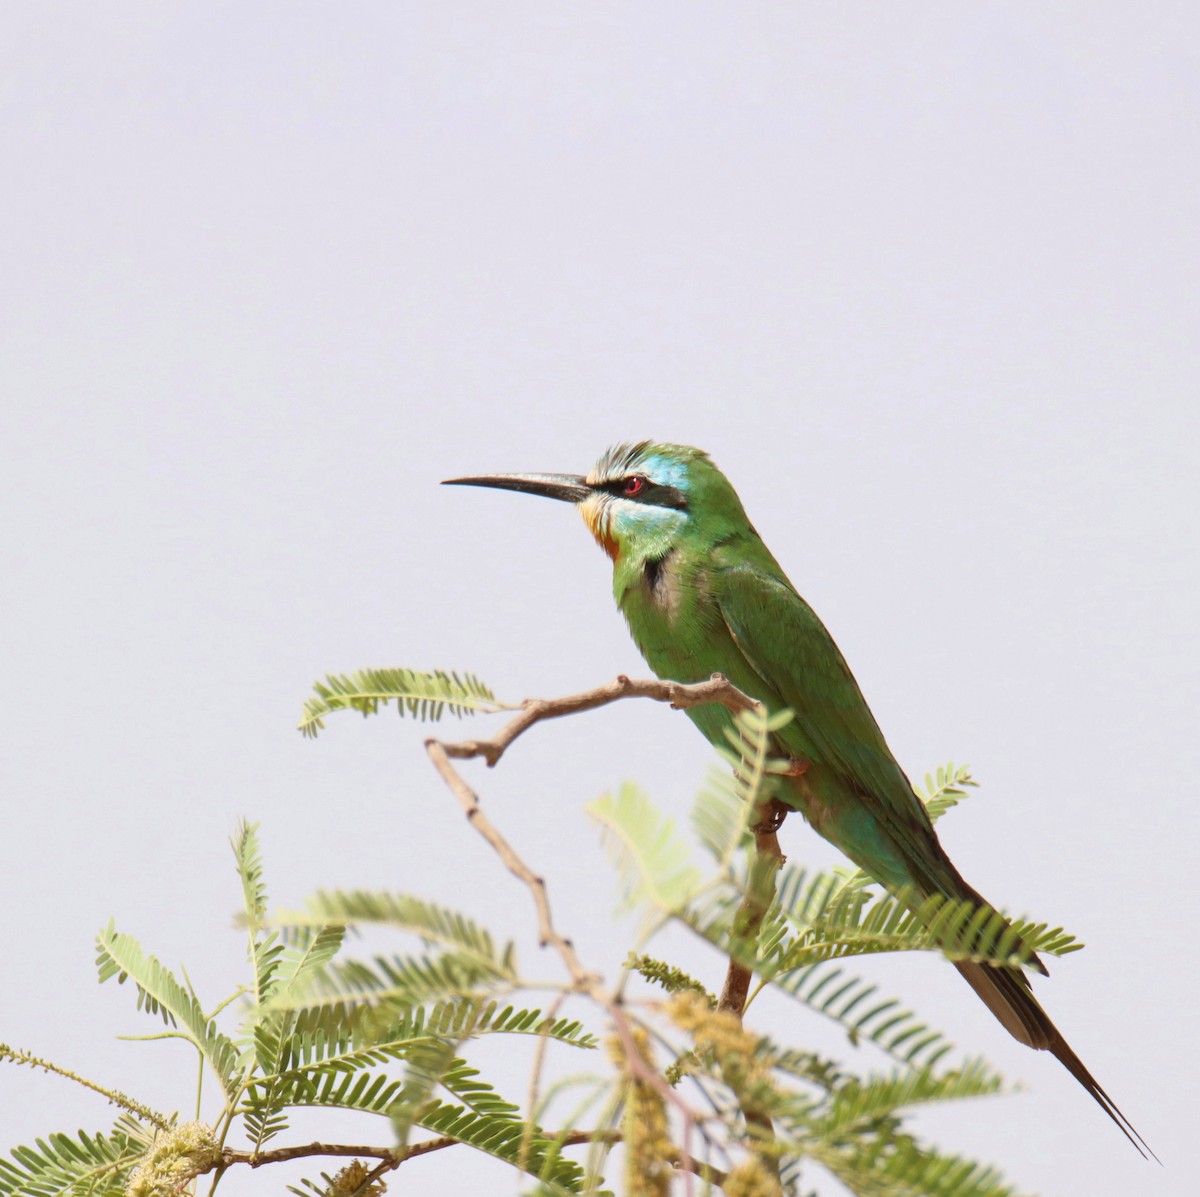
(638, 500)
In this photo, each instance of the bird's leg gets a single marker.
(773, 814)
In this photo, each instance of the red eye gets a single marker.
(634, 485)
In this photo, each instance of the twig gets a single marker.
(535, 1077)
(392, 1157)
(279, 1155)
(114, 1096)
(680, 695)
(439, 753)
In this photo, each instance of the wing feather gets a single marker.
(780, 635)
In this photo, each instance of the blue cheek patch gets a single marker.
(630, 519)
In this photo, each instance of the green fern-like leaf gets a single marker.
(387, 984)
(324, 1032)
(424, 696)
(494, 1020)
(807, 896)
(97, 1164)
(264, 1120)
(308, 954)
(725, 808)
(418, 1028)
(654, 863)
(860, 1104)
(367, 1092)
(351, 1005)
(342, 1081)
(897, 1166)
(837, 914)
(506, 1139)
(437, 926)
(277, 1037)
(856, 1006)
(946, 788)
(120, 956)
(962, 930)
(463, 1082)
(248, 855)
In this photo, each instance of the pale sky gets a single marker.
(923, 280)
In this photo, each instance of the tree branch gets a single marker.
(760, 893)
(392, 1157)
(439, 753)
(680, 695)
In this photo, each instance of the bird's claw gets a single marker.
(772, 821)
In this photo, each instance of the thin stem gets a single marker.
(136, 1108)
(768, 859)
(392, 1157)
(535, 1078)
(240, 991)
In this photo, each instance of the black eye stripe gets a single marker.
(652, 494)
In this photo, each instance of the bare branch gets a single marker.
(392, 1157)
(279, 1155)
(680, 695)
(584, 981)
(717, 689)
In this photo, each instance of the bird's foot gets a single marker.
(773, 818)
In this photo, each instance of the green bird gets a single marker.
(702, 594)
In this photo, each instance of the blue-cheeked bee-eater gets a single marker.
(702, 594)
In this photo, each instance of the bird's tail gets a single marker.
(1006, 993)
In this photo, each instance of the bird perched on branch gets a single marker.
(702, 594)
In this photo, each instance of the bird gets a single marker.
(702, 594)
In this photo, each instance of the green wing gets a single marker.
(888, 830)
(785, 643)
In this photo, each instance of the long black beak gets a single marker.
(571, 488)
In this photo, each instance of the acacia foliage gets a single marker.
(680, 1084)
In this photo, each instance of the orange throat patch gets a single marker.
(593, 515)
